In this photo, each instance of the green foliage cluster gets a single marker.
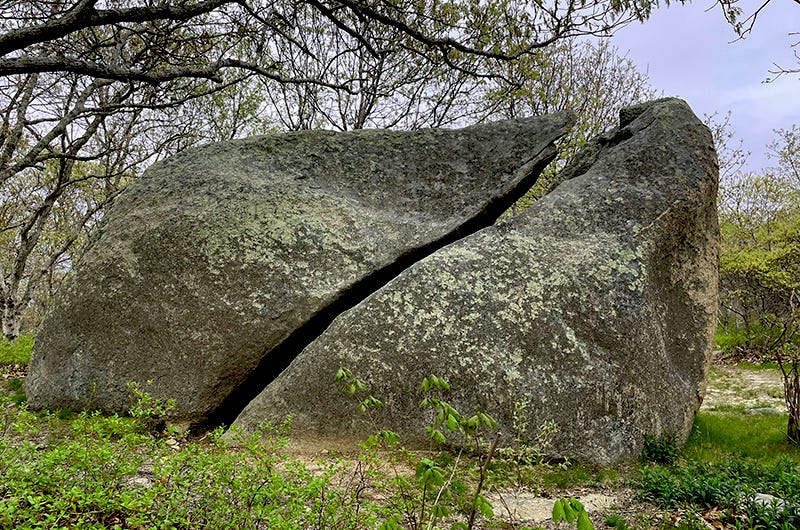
(760, 269)
(17, 351)
(60, 469)
(97, 471)
(88, 470)
(661, 449)
(760, 277)
(732, 487)
(572, 511)
(729, 458)
(432, 497)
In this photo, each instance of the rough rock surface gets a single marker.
(594, 308)
(213, 268)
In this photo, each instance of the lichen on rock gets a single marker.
(217, 266)
(596, 306)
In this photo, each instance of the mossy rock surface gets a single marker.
(212, 269)
(596, 307)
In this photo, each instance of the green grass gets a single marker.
(728, 459)
(15, 390)
(717, 436)
(90, 471)
(17, 351)
(85, 470)
(766, 365)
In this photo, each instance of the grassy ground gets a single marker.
(61, 469)
(17, 352)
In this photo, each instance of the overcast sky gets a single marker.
(688, 52)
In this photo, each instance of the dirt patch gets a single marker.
(529, 508)
(732, 386)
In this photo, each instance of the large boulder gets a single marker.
(217, 266)
(595, 308)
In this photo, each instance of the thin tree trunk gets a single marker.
(791, 386)
(12, 320)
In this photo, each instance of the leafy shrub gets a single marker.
(438, 495)
(571, 511)
(616, 521)
(97, 471)
(661, 449)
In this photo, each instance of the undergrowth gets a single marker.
(736, 471)
(63, 469)
(17, 351)
(732, 489)
(92, 471)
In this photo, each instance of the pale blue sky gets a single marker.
(688, 52)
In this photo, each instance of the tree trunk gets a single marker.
(791, 382)
(12, 320)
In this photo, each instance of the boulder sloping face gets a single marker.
(594, 308)
(212, 270)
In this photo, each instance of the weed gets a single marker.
(616, 521)
(572, 511)
(16, 390)
(429, 506)
(732, 487)
(150, 412)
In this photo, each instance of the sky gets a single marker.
(689, 51)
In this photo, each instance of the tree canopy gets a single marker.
(156, 41)
(760, 267)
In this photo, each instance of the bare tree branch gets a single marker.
(84, 15)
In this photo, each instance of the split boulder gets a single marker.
(218, 265)
(595, 308)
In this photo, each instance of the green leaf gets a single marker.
(389, 436)
(487, 420)
(436, 435)
(425, 385)
(558, 511)
(452, 423)
(441, 383)
(569, 512)
(583, 522)
(484, 507)
(440, 511)
(424, 465)
(441, 417)
(576, 505)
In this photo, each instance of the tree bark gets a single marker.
(791, 382)
(12, 320)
